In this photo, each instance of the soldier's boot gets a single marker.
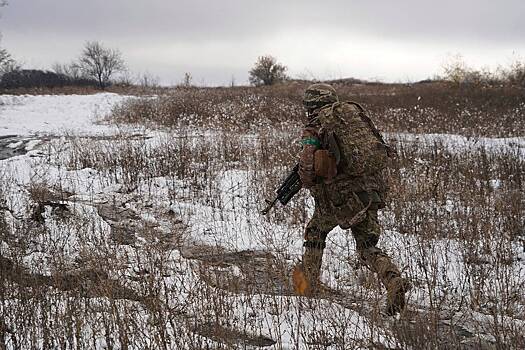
(306, 274)
(396, 289)
(390, 276)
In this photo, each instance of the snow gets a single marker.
(233, 222)
(56, 114)
(459, 143)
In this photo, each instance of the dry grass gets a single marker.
(85, 268)
(437, 107)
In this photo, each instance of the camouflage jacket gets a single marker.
(344, 184)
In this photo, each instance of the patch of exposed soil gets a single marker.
(246, 271)
(232, 337)
(87, 282)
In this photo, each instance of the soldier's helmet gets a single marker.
(319, 95)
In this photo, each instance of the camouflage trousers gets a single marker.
(362, 220)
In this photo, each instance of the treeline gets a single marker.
(100, 66)
(97, 66)
(33, 78)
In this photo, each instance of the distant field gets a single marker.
(434, 107)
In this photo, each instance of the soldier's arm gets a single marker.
(311, 142)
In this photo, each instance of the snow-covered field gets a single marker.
(151, 238)
(55, 114)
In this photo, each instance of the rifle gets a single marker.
(291, 185)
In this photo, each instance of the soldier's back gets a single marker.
(363, 153)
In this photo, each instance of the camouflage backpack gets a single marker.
(353, 139)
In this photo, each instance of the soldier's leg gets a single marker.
(366, 235)
(314, 244)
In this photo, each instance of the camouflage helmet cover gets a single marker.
(319, 95)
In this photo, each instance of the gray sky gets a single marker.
(217, 39)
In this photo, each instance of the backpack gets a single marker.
(353, 140)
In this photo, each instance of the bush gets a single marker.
(516, 73)
(457, 71)
(267, 71)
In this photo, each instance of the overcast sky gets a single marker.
(404, 40)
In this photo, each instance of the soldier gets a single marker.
(341, 163)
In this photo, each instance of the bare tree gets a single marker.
(147, 80)
(267, 71)
(7, 62)
(100, 63)
(71, 70)
(187, 80)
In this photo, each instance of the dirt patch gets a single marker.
(246, 271)
(225, 335)
(87, 282)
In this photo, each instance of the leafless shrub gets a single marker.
(187, 81)
(516, 73)
(71, 70)
(147, 81)
(267, 71)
